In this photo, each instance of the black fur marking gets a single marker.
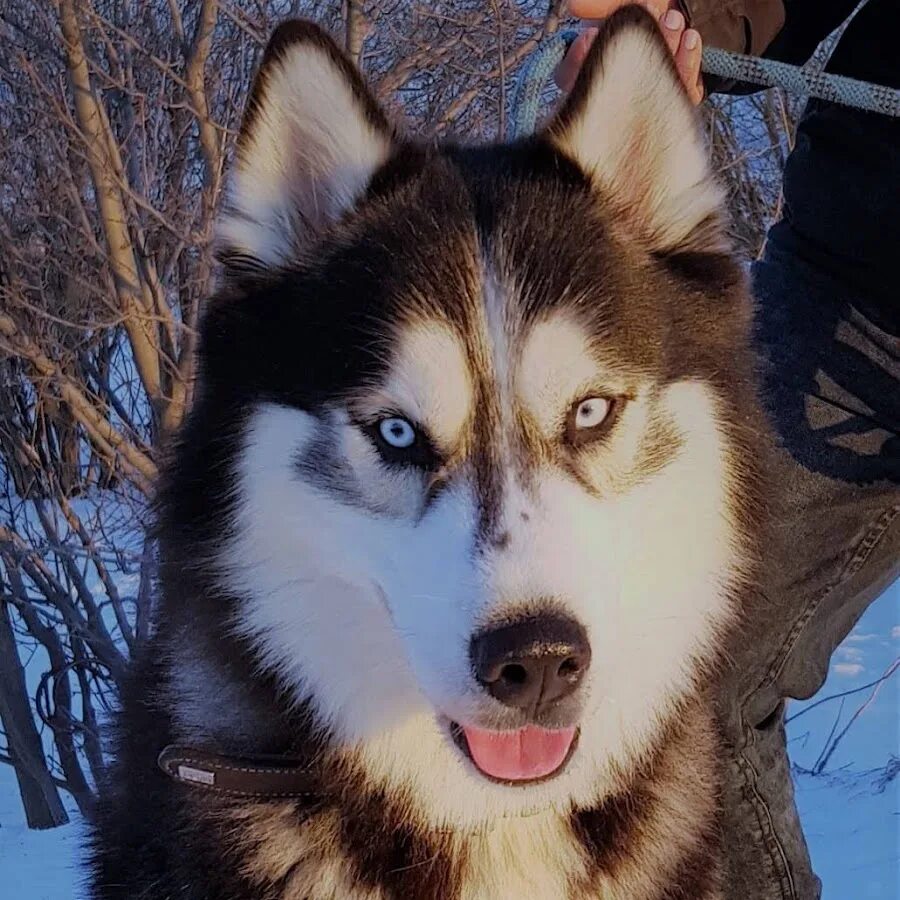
(607, 831)
(388, 852)
(153, 838)
(489, 471)
(320, 464)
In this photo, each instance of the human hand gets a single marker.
(684, 42)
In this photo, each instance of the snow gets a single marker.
(852, 831)
(36, 865)
(851, 817)
(852, 821)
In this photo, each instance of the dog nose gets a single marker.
(531, 662)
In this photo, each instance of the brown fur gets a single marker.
(657, 839)
(655, 836)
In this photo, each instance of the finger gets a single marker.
(601, 9)
(567, 71)
(688, 58)
(673, 26)
(594, 9)
(658, 7)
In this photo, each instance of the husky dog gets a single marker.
(461, 517)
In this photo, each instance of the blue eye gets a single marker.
(397, 432)
(401, 443)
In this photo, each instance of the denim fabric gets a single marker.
(832, 385)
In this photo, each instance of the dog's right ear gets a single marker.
(311, 138)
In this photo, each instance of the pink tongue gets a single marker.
(519, 755)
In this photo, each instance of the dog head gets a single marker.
(482, 502)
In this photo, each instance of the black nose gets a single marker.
(531, 662)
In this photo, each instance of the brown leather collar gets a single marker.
(269, 777)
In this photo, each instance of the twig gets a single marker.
(890, 671)
(869, 700)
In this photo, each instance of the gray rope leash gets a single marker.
(525, 100)
(771, 73)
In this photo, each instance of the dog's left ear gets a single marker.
(630, 126)
(311, 139)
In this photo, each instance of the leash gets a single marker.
(839, 89)
(532, 78)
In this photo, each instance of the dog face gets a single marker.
(485, 494)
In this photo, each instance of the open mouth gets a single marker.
(523, 756)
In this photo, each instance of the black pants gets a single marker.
(832, 384)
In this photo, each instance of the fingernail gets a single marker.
(691, 39)
(673, 20)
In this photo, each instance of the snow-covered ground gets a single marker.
(36, 865)
(852, 820)
(850, 814)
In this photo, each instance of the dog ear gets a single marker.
(630, 126)
(311, 138)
